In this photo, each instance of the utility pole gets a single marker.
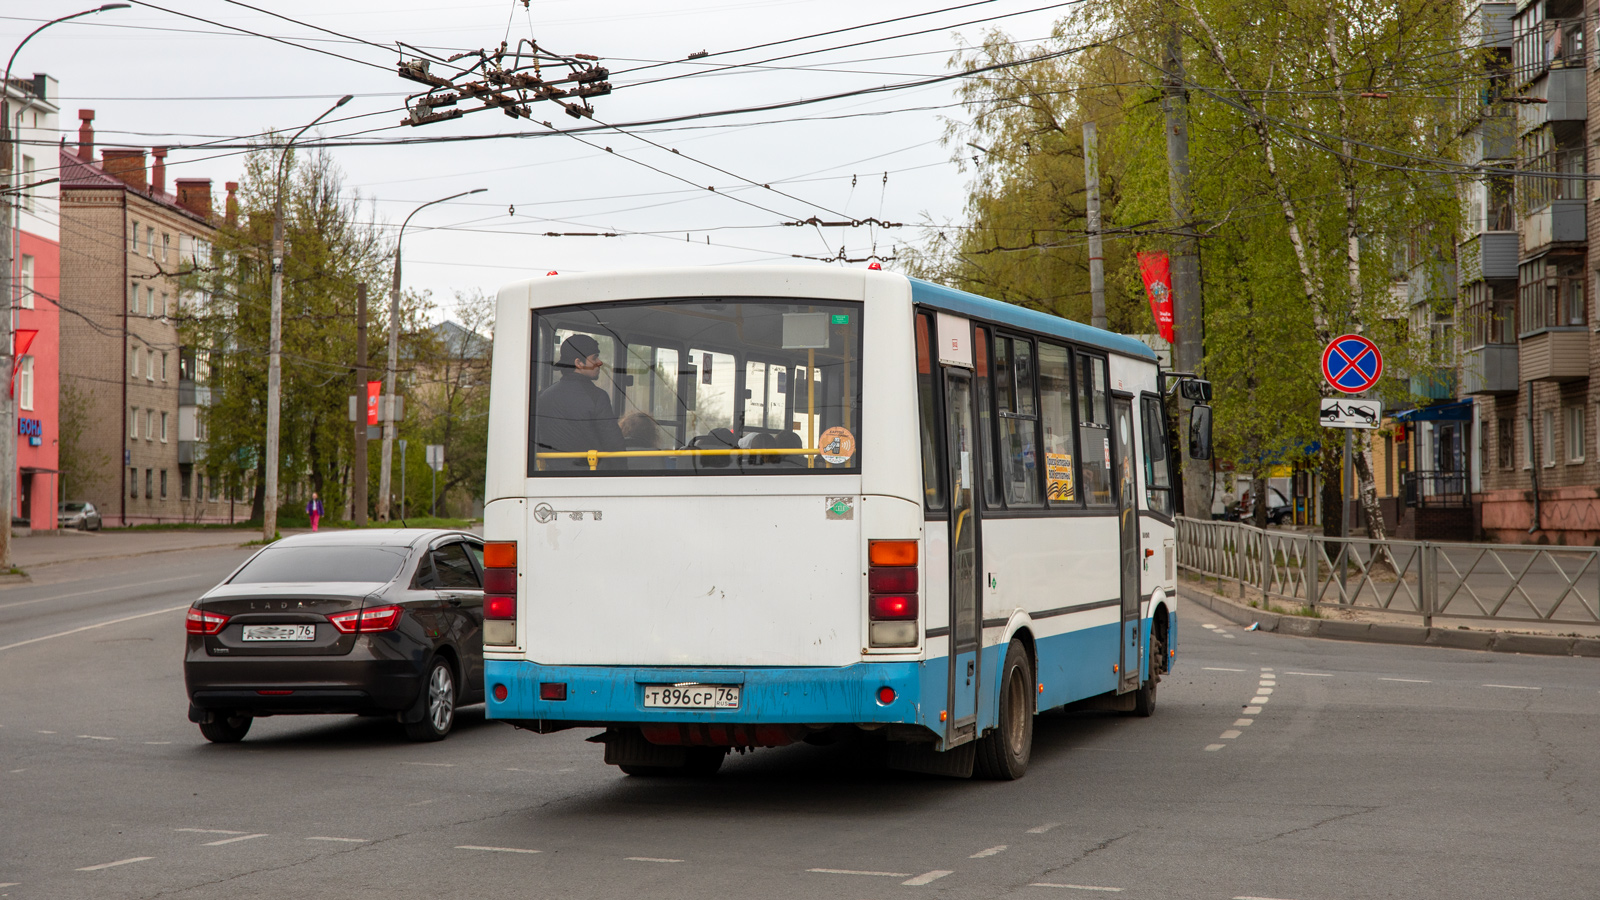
(1188, 308)
(9, 220)
(269, 506)
(387, 407)
(1097, 262)
(358, 473)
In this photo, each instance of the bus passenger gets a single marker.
(639, 430)
(574, 414)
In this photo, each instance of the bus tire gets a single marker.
(1004, 752)
(1144, 701)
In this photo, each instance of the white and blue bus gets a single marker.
(745, 507)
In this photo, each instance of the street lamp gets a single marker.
(8, 432)
(385, 467)
(269, 508)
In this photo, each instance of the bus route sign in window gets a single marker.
(697, 387)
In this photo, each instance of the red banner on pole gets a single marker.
(374, 389)
(1157, 274)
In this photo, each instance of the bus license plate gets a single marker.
(280, 632)
(692, 696)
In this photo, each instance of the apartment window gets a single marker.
(133, 482)
(133, 299)
(163, 367)
(28, 168)
(150, 301)
(25, 299)
(1552, 295)
(166, 245)
(214, 494)
(150, 241)
(163, 428)
(150, 366)
(163, 484)
(1504, 437)
(149, 424)
(133, 367)
(135, 236)
(166, 308)
(133, 422)
(184, 490)
(149, 483)
(1575, 434)
(1547, 421)
(25, 382)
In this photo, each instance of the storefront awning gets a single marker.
(1457, 411)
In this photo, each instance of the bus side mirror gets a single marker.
(1200, 432)
(1195, 389)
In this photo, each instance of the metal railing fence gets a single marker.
(1508, 583)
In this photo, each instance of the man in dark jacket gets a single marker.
(574, 414)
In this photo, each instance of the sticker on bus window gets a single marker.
(1058, 476)
(837, 445)
(841, 318)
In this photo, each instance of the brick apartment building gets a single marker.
(126, 244)
(35, 281)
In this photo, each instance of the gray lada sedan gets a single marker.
(379, 622)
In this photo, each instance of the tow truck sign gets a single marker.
(1345, 412)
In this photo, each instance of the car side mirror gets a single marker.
(1195, 389)
(1200, 432)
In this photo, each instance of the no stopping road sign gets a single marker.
(1351, 363)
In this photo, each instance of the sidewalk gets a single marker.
(1377, 626)
(50, 548)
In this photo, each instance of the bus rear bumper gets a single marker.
(602, 695)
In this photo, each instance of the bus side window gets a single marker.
(983, 392)
(1094, 431)
(933, 475)
(1019, 426)
(1055, 414)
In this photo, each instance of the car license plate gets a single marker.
(692, 696)
(280, 632)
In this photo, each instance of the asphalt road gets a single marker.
(1275, 767)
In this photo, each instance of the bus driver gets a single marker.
(574, 414)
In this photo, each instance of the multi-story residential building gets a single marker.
(128, 245)
(1528, 358)
(35, 281)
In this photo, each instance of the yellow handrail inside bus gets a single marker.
(594, 456)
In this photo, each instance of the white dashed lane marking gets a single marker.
(494, 849)
(1259, 700)
(859, 872)
(1513, 687)
(655, 859)
(234, 840)
(96, 737)
(927, 877)
(1212, 748)
(989, 852)
(1239, 723)
(1312, 674)
(1078, 887)
(339, 839)
(1408, 680)
(120, 862)
(209, 831)
(1230, 734)
(1252, 710)
(9, 883)
(1218, 669)
(1041, 829)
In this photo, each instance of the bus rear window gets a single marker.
(702, 386)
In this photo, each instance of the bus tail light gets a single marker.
(892, 593)
(500, 593)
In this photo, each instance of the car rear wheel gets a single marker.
(435, 709)
(226, 729)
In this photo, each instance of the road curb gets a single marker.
(1384, 633)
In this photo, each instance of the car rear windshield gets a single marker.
(300, 565)
(709, 386)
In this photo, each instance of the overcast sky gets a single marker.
(157, 78)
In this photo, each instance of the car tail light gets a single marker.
(892, 593)
(500, 592)
(198, 621)
(367, 621)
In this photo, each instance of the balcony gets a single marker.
(1563, 91)
(1491, 254)
(191, 452)
(1550, 46)
(1431, 280)
(1490, 369)
(1556, 222)
(1489, 25)
(191, 394)
(1494, 136)
(1554, 354)
(1434, 384)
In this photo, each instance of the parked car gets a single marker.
(380, 622)
(1279, 509)
(79, 514)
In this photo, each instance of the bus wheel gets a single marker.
(1003, 753)
(1144, 702)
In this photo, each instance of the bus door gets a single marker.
(965, 614)
(1129, 663)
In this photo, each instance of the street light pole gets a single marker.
(8, 165)
(269, 506)
(386, 466)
